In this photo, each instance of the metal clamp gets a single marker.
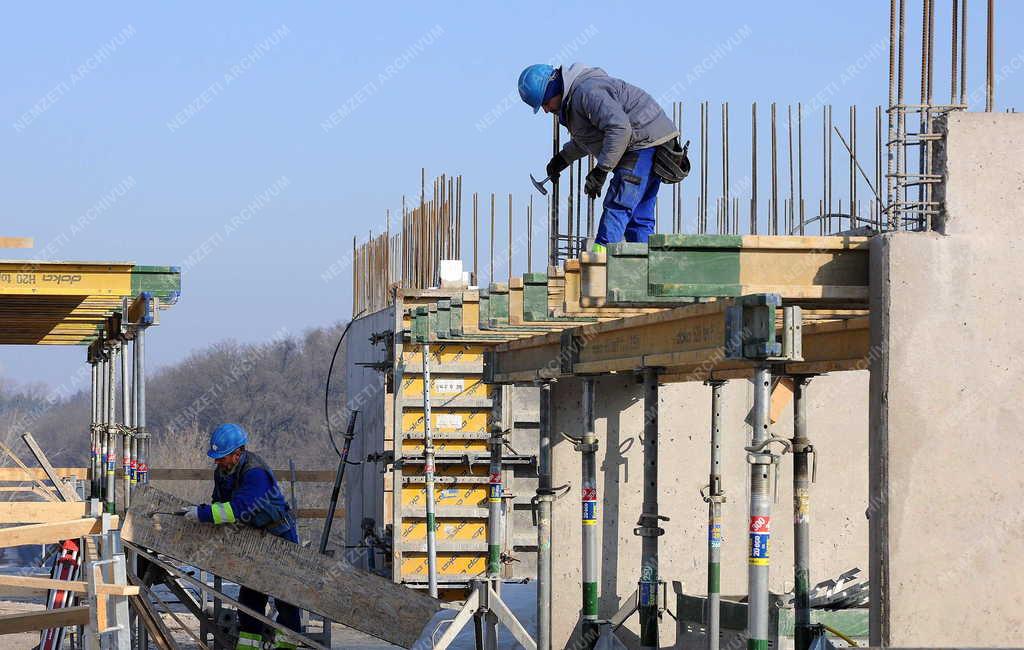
(757, 456)
(705, 493)
(647, 525)
(552, 494)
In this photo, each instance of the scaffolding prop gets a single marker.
(714, 496)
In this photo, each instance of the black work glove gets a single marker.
(595, 181)
(556, 165)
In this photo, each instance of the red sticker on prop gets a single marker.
(762, 524)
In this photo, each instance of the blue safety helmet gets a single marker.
(533, 82)
(225, 439)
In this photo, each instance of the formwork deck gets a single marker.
(68, 303)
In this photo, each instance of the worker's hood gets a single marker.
(575, 73)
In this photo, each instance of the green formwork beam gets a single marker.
(420, 325)
(694, 265)
(444, 319)
(627, 277)
(498, 304)
(535, 296)
(484, 314)
(456, 316)
(163, 282)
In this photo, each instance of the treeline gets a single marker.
(275, 389)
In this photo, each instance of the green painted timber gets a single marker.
(498, 308)
(484, 315)
(535, 302)
(535, 296)
(456, 316)
(627, 277)
(420, 325)
(694, 265)
(444, 319)
(163, 282)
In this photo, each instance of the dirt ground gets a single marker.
(342, 637)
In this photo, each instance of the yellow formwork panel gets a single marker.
(443, 419)
(444, 446)
(446, 387)
(415, 496)
(448, 529)
(415, 564)
(40, 278)
(444, 353)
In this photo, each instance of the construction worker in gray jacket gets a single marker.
(624, 128)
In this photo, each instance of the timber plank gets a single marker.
(35, 512)
(331, 588)
(44, 619)
(66, 493)
(77, 586)
(52, 532)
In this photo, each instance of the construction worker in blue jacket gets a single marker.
(624, 128)
(246, 492)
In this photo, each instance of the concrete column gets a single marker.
(945, 448)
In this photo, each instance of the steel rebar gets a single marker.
(990, 46)
(753, 168)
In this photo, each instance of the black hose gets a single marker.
(327, 390)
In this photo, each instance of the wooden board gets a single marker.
(52, 532)
(16, 242)
(34, 512)
(77, 586)
(331, 588)
(66, 492)
(164, 474)
(44, 619)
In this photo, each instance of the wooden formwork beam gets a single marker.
(687, 343)
(329, 587)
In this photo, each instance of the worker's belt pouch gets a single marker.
(626, 167)
(671, 164)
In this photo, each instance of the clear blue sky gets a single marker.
(194, 110)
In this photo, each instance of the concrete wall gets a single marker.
(946, 444)
(838, 414)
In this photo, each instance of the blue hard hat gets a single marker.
(533, 82)
(225, 439)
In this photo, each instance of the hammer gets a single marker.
(540, 184)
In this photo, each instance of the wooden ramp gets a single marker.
(329, 587)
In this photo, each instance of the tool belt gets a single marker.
(671, 162)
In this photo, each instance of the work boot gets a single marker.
(283, 643)
(249, 640)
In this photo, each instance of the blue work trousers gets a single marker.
(629, 203)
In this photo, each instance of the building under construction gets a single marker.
(786, 420)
